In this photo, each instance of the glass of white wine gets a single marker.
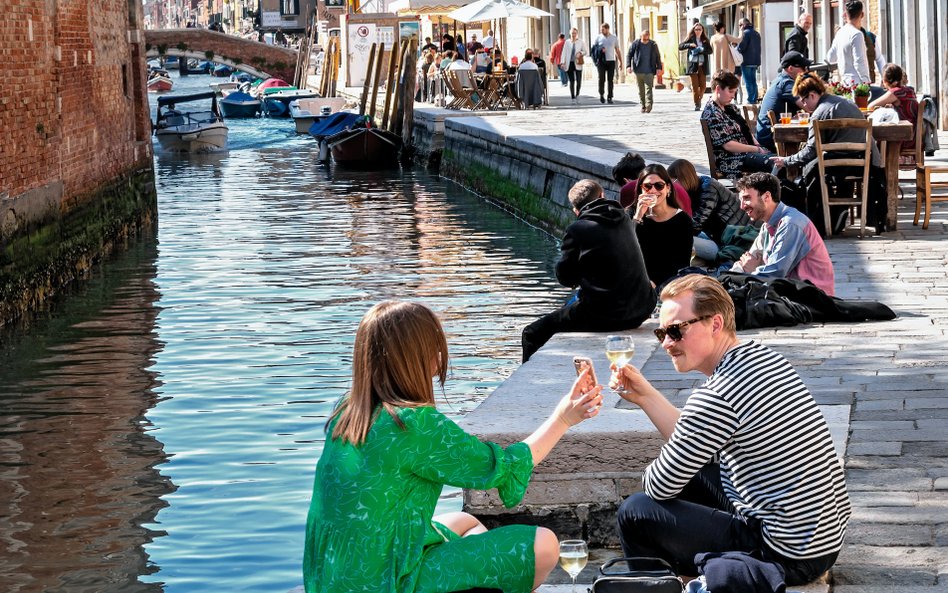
(573, 556)
(619, 351)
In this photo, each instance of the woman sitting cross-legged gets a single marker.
(736, 151)
(390, 452)
(663, 229)
(715, 207)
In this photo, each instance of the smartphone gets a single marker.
(582, 362)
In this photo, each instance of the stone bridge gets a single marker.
(257, 59)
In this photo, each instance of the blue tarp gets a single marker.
(336, 122)
(237, 97)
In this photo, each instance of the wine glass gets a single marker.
(573, 556)
(652, 200)
(619, 351)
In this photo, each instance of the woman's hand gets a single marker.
(583, 401)
(643, 203)
(630, 383)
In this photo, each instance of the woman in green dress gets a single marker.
(371, 525)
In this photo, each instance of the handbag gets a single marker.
(578, 59)
(737, 55)
(642, 575)
(696, 56)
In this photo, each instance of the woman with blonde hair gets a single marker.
(390, 452)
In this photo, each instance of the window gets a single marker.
(289, 6)
(662, 24)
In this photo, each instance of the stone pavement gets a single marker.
(891, 376)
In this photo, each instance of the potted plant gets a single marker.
(861, 95)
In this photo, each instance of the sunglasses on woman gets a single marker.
(673, 331)
(658, 185)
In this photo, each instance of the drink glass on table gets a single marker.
(786, 117)
(573, 556)
(619, 351)
(804, 118)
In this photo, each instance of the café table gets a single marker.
(788, 137)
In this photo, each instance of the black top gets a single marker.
(666, 246)
(601, 255)
(797, 41)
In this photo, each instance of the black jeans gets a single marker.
(607, 72)
(702, 519)
(575, 78)
(574, 317)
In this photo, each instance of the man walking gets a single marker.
(600, 254)
(645, 61)
(750, 49)
(797, 39)
(556, 52)
(606, 65)
(849, 46)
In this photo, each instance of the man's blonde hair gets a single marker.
(708, 297)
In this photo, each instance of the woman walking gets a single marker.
(572, 59)
(699, 48)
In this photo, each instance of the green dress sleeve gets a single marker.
(439, 450)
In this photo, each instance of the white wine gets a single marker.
(573, 562)
(620, 358)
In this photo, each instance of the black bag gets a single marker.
(643, 575)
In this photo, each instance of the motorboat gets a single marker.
(276, 101)
(223, 87)
(305, 112)
(222, 70)
(239, 104)
(271, 83)
(365, 146)
(159, 83)
(180, 130)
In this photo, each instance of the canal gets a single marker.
(160, 423)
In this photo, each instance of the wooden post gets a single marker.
(406, 117)
(368, 79)
(389, 83)
(334, 72)
(397, 97)
(375, 81)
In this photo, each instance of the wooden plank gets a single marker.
(407, 116)
(393, 124)
(375, 81)
(368, 79)
(389, 83)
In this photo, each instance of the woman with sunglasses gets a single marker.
(665, 231)
(748, 464)
(388, 454)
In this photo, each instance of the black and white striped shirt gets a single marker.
(777, 459)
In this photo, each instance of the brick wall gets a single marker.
(275, 61)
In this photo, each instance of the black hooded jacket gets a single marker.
(601, 255)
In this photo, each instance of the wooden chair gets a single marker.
(712, 163)
(925, 186)
(462, 95)
(751, 112)
(772, 117)
(861, 157)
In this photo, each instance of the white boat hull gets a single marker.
(305, 111)
(193, 137)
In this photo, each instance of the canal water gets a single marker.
(160, 423)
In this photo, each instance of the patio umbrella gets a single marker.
(488, 10)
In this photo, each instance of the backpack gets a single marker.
(597, 53)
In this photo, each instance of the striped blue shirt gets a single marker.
(777, 459)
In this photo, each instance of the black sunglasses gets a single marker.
(659, 185)
(673, 331)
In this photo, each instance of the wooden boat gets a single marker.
(365, 147)
(222, 70)
(307, 111)
(159, 83)
(190, 131)
(239, 104)
(276, 101)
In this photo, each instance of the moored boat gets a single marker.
(190, 131)
(365, 147)
(222, 70)
(159, 83)
(305, 112)
(239, 104)
(276, 101)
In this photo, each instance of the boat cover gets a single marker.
(273, 82)
(238, 97)
(173, 100)
(333, 124)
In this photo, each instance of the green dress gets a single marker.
(370, 522)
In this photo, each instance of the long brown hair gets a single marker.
(683, 171)
(398, 347)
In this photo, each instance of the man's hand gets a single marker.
(750, 261)
(630, 383)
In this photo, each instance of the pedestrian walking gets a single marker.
(750, 51)
(572, 60)
(797, 39)
(611, 57)
(699, 48)
(848, 51)
(645, 60)
(556, 52)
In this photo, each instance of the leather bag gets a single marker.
(642, 575)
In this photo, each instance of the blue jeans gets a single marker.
(749, 74)
(563, 77)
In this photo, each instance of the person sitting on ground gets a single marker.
(901, 97)
(736, 151)
(626, 173)
(390, 452)
(748, 464)
(788, 246)
(601, 256)
(779, 98)
(716, 207)
(664, 230)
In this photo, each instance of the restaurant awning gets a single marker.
(716, 5)
(429, 7)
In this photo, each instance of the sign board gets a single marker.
(360, 40)
(385, 35)
(335, 3)
(271, 19)
(408, 30)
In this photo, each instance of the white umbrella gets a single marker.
(488, 10)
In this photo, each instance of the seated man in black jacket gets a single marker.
(601, 256)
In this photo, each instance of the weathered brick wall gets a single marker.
(275, 61)
(76, 125)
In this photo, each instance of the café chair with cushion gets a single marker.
(848, 163)
(925, 186)
(529, 87)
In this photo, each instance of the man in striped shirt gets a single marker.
(749, 463)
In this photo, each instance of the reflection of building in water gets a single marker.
(77, 469)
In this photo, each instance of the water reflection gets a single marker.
(77, 465)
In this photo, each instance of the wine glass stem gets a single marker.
(574, 584)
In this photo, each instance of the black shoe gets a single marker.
(602, 99)
(610, 101)
(697, 107)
